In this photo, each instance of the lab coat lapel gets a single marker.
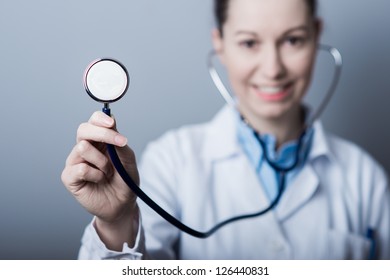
(221, 141)
(299, 192)
(306, 183)
(223, 150)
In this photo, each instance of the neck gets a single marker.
(284, 128)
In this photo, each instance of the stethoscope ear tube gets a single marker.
(338, 63)
(218, 81)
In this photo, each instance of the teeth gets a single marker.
(271, 90)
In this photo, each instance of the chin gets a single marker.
(271, 113)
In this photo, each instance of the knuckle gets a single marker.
(80, 130)
(94, 116)
(81, 127)
(64, 177)
(105, 161)
(82, 170)
(83, 147)
(68, 160)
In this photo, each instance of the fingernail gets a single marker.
(120, 140)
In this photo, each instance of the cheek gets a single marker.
(239, 71)
(238, 78)
(301, 67)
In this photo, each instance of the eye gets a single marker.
(249, 44)
(295, 40)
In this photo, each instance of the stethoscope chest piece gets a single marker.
(106, 80)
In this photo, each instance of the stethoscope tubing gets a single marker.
(177, 223)
(281, 170)
(168, 217)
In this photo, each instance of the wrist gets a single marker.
(115, 233)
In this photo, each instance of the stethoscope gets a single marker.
(106, 80)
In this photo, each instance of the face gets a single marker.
(268, 48)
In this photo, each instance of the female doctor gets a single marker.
(336, 204)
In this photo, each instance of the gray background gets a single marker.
(46, 45)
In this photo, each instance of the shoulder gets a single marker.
(348, 152)
(352, 159)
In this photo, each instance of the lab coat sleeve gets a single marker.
(93, 248)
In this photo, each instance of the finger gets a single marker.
(85, 152)
(90, 132)
(101, 119)
(77, 175)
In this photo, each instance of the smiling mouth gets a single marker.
(273, 93)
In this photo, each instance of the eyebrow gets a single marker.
(293, 29)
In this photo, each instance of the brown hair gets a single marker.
(221, 8)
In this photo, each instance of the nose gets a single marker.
(271, 63)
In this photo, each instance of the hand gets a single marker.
(91, 178)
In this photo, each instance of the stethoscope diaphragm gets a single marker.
(106, 80)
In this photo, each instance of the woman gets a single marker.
(337, 199)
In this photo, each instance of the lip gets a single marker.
(274, 93)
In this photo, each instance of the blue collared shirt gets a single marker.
(285, 156)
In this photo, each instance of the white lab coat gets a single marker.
(202, 176)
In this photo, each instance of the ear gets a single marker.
(218, 43)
